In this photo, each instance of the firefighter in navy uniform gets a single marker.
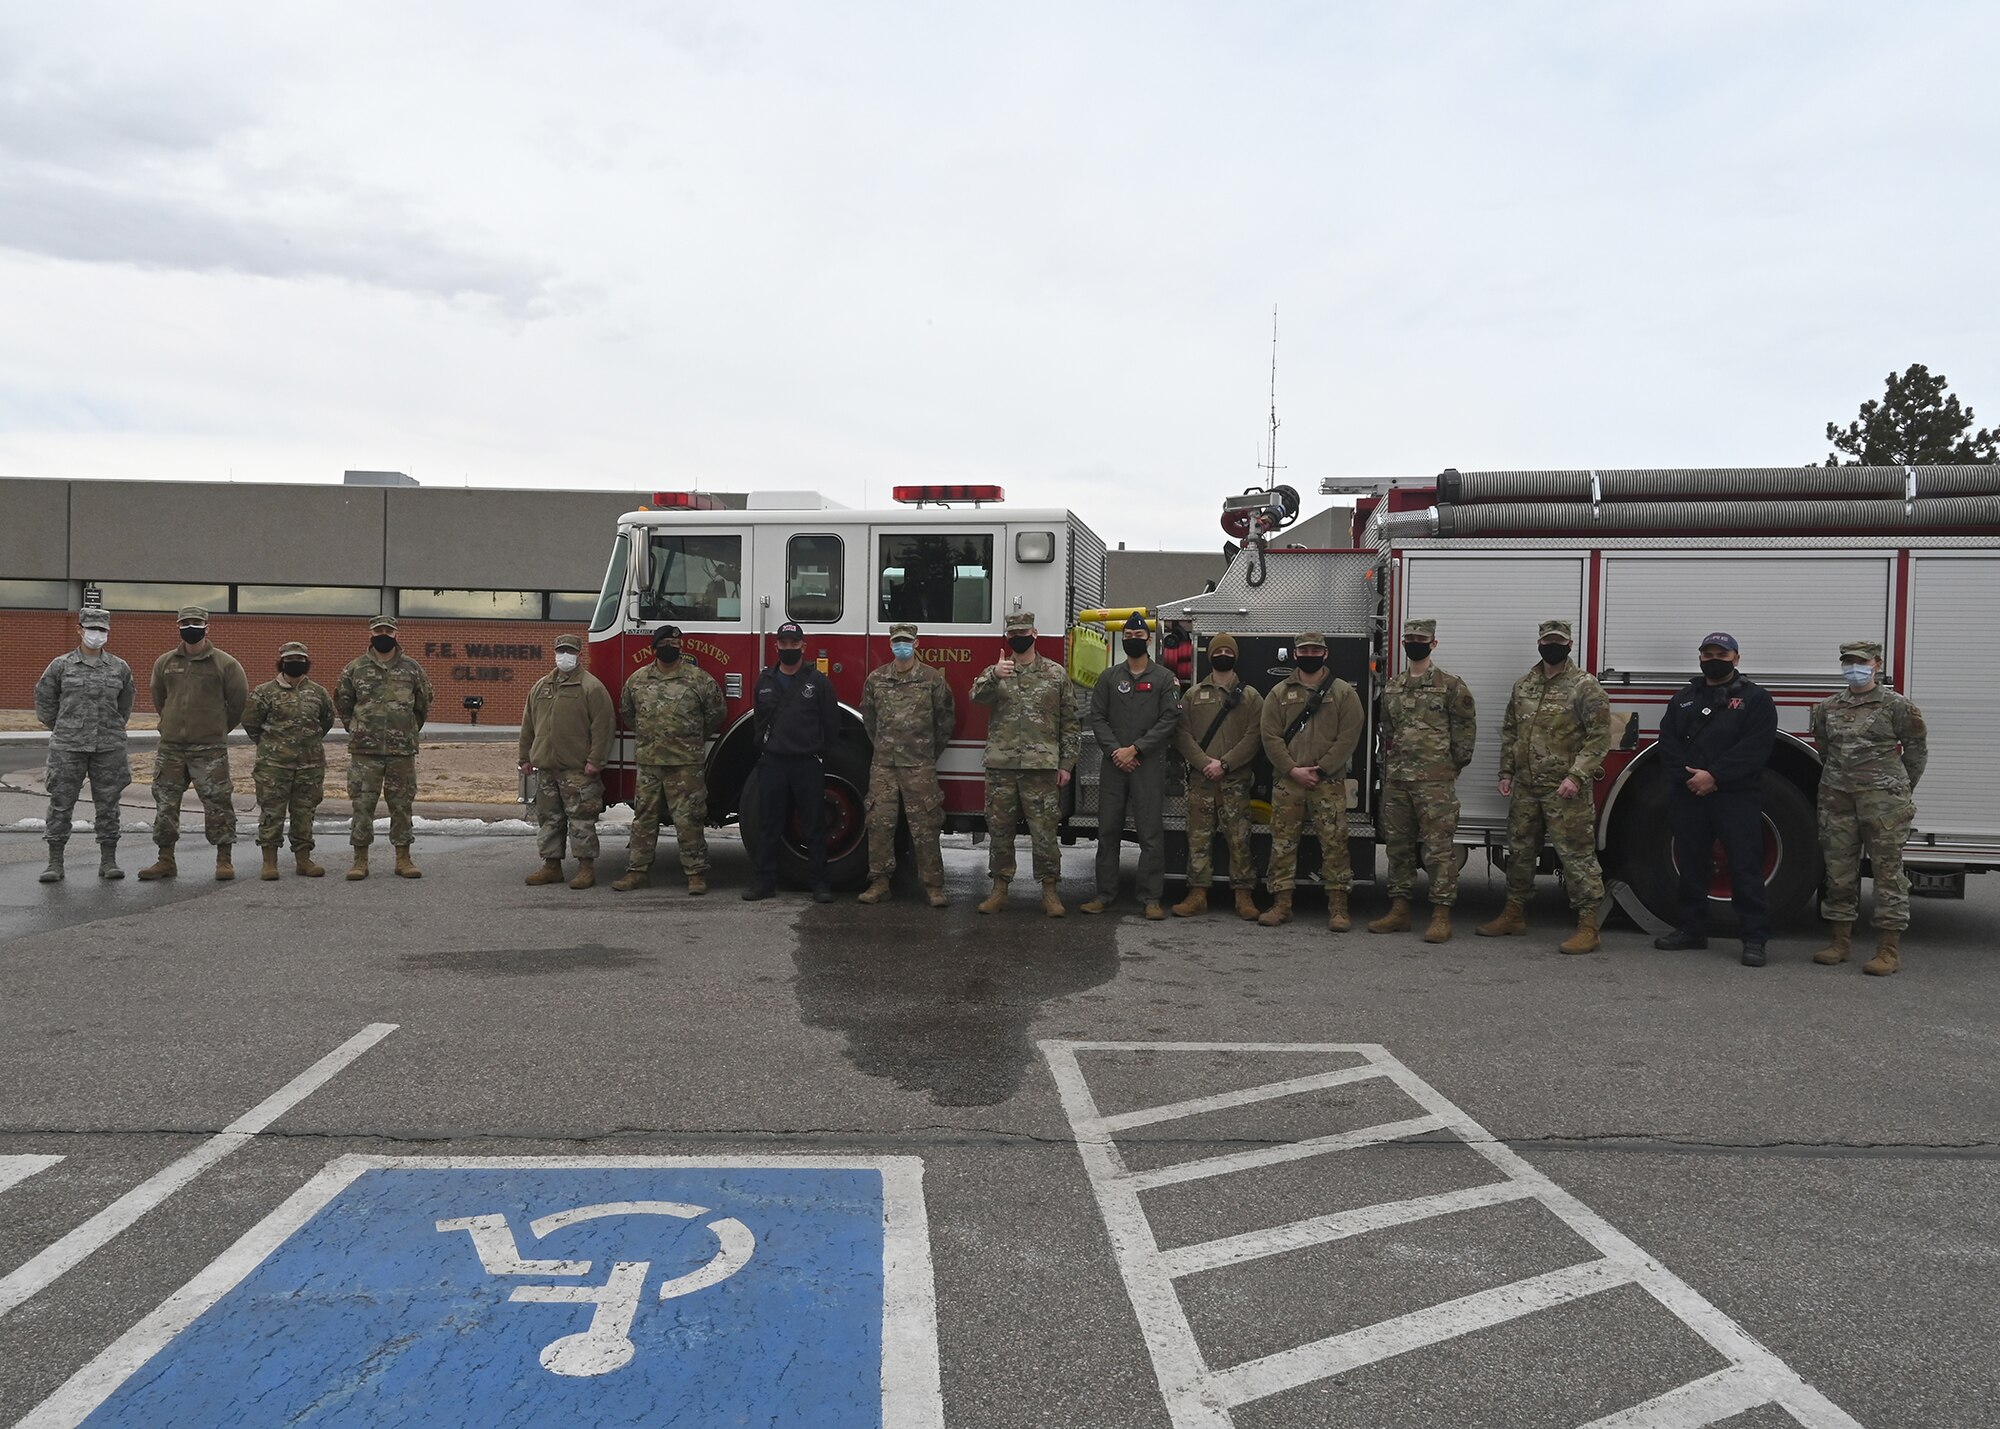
(798, 717)
(1715, 739)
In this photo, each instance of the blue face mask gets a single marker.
(903, 649)
(1857, 675)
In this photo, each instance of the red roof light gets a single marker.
(918, 495)
(685, 501)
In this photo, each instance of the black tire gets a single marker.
(1642, 845)
(846, 828)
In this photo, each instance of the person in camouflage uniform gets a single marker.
(200, 693)
(567, 724)
(1873, 746)
(1429, 726)
(1032, 740)
(906, 707)
(84, 698)
(1310, 725)
(1220, 732)
(673, 708)
(383, 698)
(1552, 747)
(287, 720)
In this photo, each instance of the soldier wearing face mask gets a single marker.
(566, 729)
(1311, 723)
(287, 720)
(673, 708)
(1429, 728)
(1134, 708)
(84, 698)
(798, 718)
(906, 707)
(200, 692)
(1220, 732)
(383, 698)
(1032, 739)
(1873, 746)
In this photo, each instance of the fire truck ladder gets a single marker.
(1201, 1397)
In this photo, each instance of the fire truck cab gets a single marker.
(953, 559)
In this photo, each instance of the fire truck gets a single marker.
(951, 558)
(1644, 563)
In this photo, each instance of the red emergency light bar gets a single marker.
(918, 495)
(685, 501)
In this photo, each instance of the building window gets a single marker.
(470, 604)
(34, 595)
(692, 578)
(814, 570)
(307, 600)
(937, 580)
(152, 595)
(575, 605)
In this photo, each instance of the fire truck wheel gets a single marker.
(1643, 855)
(846, 827)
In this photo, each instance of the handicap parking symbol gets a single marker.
(390, 1291)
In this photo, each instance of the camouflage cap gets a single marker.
(193, 615)
(1222, 644)
(294, 647)
(1555, 627)
(1420, 630)
(94, 617)
(569, 642)
(383, 622)
(1020, 622)
(903, 630)
(1864, 649)
(1310, 637)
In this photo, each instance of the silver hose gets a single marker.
(1689, 517)
(1696, 483)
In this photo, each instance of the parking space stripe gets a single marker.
(16, 1169)
(40, 1271)
(1222, 1101)
(1198, 1397)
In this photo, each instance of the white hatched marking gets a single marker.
(1198, 1397)
(16, 1169)
(1222, 1101)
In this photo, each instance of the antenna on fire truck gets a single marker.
(1260, 511)
(1270, 463)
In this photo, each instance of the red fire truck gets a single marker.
(951, 558)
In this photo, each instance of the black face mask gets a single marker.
(1417, 649)
(1717, 669)
(666, 654)
(193, 634)
(383, 643)
(1222, 664)
(1552, 654)
(294, 669)
(1311, 664)
(789, 658)
(1021, 644)
(1134, 649)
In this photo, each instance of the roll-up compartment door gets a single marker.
(1954, 650)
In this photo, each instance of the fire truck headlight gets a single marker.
(1034, 547)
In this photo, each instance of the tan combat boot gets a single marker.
(1440, 928)
(1095, 905)
(995, 901)
(360, 869)
(1584, 939)
(1052, 903)
(697, 884)
(1396, 920)
(631, 879)
(935, 893)
(1280, 911)
(404, 867)
(549, 872)
(1837, 950)
(1337, 920)
(163, 867)
(1194, 905)
(875, 892)
(270, 873)
(1246, 904)
(1513, 919)
(1888, 954)
(1155, 913)
(225, 863)
(586, 874)
(302, 860)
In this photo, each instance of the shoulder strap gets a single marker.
(1313, 702)
(1231, 698)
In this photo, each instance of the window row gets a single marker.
(936, 578)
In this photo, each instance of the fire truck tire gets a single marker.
(846, 829)
(1642, 849)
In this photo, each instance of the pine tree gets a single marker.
(1917, 423)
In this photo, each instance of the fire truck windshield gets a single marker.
(692, 578)
(609, 601)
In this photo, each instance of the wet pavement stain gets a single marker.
(942, 1000)
(528, 962)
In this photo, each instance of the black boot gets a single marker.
(107, 859)
(54, 872)
(1680, 938)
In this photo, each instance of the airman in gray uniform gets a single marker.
(1873, 746)
(84, 698)
(1134, 708)
(1032, 741)
(1429, 724)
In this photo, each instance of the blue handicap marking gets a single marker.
(791, 1291)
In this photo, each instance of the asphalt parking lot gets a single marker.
(1092, 1172)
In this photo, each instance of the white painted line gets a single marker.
(1280, 1152)
(1339, 1354)
(41, 1270)
(16, 1169)
(1200, 1398)
(1319, 1230)
(1222, 1101)
(911, 1393)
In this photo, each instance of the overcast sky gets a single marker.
(844, 245)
